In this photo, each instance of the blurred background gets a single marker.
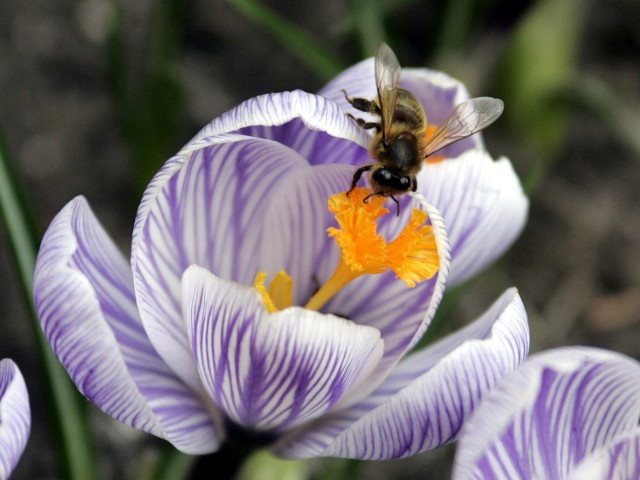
(96, 94)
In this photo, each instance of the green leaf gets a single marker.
(368, 23)
(167, 463)
(149, 100)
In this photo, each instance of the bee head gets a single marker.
(390, 182)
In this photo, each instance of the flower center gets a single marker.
(412, 255)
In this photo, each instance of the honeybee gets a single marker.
(400, 143)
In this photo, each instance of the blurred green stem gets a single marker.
(169, 464)
(147, 94)
(455, 27)
(74, 444)
(368, 17)
(308, 50)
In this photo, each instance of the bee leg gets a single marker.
(357, 175)
(366, 125)
(372, 194)
(362, 104)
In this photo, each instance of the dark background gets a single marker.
(95, 95)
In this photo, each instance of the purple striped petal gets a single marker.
(619, 460)
(483, 206)
(84, 296)
(437, 92)
(424, 401)
(546, 417)
(15, 414)
(309, 124)
(271, 372)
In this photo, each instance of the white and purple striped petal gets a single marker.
(210, 213)
(15, 414)
(424, 401)
(483, 206)
(293, 119)
(550, 414)
(270, 372)
(618, 460)
(84, 297)
(357, 80)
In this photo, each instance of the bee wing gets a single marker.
(466, 119)
(387, 78)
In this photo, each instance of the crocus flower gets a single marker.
(568, 413)
(15, 415)
(263, 304)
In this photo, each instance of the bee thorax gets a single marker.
(401, 152)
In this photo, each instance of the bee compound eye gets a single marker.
(382, 175)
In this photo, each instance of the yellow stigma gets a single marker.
(413, 255)
(360, 244)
